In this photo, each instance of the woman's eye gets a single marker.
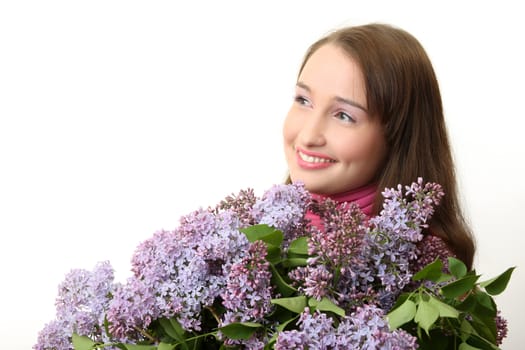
(345, 117)
(301, 100)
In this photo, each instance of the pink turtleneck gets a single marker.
(362, 196)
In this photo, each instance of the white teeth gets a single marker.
(311, 159)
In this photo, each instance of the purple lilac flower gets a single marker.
(54, 336)
(316, 331)
(82, 300)
(429, 249)
(342, 236)
(178, 273)
(336, 266)
(132, 309)
(365, 329)
(241, 204)
(283, 207)
(501, 328)
(314, 280)
(83, 297)
(393, 234)
(248, 292)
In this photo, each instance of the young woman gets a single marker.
(367, 115)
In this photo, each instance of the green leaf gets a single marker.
(426, 315)
(465, 346)
(263, 233)
(498, 284)
(479, 342)
(294, 262)
(445, 277)
(467, 304)
(139, 347)
(469, 333)
(174, 330)
(485, 327)
(176, 326)
(459, 287)
(295, 304)
(445, 310)
(326, 304)
(437, 339)
(278, 281)
(281, 327)
(401, 299)
(432, 271)
(273, 253)
(165, 346)
(402, 314)
(485, 305)
(299, 246)
(240, 330)
(457, 267)
(81, 342)
(466, 330)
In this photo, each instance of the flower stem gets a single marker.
(145, 334)
(214, 313)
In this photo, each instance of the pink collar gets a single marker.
(363, 196)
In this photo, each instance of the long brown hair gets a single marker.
(402, 90)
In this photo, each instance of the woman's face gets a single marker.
(331, 143)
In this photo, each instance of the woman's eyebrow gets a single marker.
(351, 103)
(303, 86)
(337, 98)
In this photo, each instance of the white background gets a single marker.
(117, 117)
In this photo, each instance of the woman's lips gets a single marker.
(313, 160)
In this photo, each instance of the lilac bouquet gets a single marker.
(254, 273)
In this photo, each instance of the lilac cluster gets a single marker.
(283, 207)
(248, 293)
(316, 331)
(337, 263)
(83, 298)
(391, 241)
(356, 261)
(367, 329)
(502, 328)
(364, 329)
(206, 260)
(429, 249)
(241, 204)
(178, 273)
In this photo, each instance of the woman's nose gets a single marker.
(313, 131)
